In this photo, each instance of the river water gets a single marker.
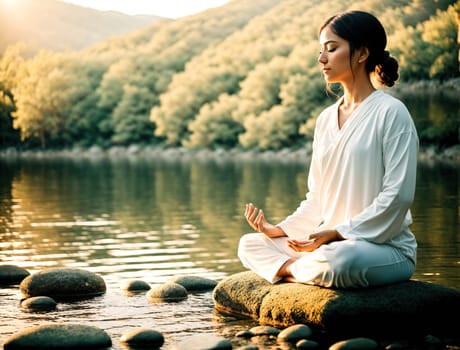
(156, 218)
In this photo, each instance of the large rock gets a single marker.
(59, 336)
(397, 308)
(63, 283)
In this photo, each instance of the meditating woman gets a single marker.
(352, 229)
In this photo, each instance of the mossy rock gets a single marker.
(397, 308)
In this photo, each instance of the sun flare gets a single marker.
(9, 2)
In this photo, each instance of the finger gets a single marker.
(248, 209)
(252, 214)
(260, 216)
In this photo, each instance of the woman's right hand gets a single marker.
(256, 219)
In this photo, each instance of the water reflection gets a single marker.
(153, 219)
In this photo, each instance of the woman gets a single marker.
(352, 230)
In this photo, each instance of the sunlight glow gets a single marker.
(169, 9)
(9, 2)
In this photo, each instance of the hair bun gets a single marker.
(387, 69)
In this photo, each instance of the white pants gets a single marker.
(340, 264)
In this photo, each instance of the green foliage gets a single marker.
(243, 75)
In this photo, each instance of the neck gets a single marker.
(354, 95)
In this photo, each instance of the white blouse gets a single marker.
(362, 176)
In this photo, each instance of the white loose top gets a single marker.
(362, 176)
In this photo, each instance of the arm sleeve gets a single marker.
(307, 216)
(389, 213)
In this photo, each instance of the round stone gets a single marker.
(39, 303)
(295, 333)
(167, 292)
(62, 283)
(136, 285)
(355, 344)
(265, 330)
(143, 337)
(194, 283)
(12, 274)
(58, 336)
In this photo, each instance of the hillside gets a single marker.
(59, 26)
(244, 75)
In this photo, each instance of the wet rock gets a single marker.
(355, 344)
(295, 333)
(59, 336)
(427, 307)
(136, 286)
(39, 303)
(307, 344)
(12, 274)
(63, 283)
(143, 337)
(194, 283)
(203, 342)
(167, 292)
(245, 334)
(264, 330)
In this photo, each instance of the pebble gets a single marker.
(264, 330)
(307, 344)
(39, 303)
(167, 292)
(355, 344)
(136, 286)
(295, 333)
(194, 283)
(143, 337)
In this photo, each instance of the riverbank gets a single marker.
(427, 155)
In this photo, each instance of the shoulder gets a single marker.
(389, 103)
(395, 116)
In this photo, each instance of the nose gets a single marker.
(322, 57)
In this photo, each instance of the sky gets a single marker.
(163, 8)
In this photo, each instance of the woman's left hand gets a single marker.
(314, 241)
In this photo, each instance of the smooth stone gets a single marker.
(426, 307)
(244, 334)
(355, 344)
(264, 330)
(307, 344)
(39, 303)
(62, 283)
(143, 337)
(203, 342)
(167, 292)
(59, 336)
(194, 283)
(12, 274)
(136, 285)
(295, 333)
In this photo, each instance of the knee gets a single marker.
(248, 242)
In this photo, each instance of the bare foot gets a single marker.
(290, 279)
(285, 270)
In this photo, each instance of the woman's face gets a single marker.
(334, 57)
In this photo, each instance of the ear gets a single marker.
(363, 54)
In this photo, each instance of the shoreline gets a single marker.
(427, 155)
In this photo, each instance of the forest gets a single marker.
(244, 75)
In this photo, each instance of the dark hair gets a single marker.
(362, 29)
